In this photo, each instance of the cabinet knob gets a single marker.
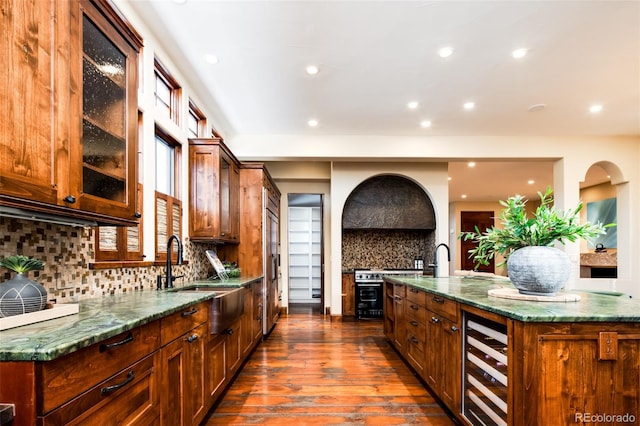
(435, 320)
(137, 215)
(454, 328)
(69, 199)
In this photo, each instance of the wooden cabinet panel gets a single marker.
(184, 396)
(69, 129)
(181, 322)
(214, 181)
(216, 371)
(258, 310)
(65, 378)
(129, 397)
(442, 306)
(348, 294)
(246, 326)
(233, 349)
(28, 143)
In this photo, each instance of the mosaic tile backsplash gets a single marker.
(385, 248)
(67, 252)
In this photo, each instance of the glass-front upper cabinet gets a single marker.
(104, 142)
(109, 113)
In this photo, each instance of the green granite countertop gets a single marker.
(103, 317)
(473, 291)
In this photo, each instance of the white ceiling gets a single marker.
(376, 56)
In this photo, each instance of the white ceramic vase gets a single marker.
(539, 270)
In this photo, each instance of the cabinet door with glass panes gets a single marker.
(107, 146)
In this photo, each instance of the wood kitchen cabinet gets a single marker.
(348, 294)
(184, 397)
(68, 136)
(257, 253)
(443, 350)
(213, 192)
(415, 328)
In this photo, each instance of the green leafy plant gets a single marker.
(547, 226)
(21, 264)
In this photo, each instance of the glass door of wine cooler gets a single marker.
(485, 371)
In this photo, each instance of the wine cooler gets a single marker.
(484, 371)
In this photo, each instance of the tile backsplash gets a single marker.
(67, 252)
(385, 248)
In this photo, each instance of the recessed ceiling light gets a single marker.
(445, 52)
(211, 59)
(469, 105)
(412, 105)
(312, 70)
(536, 107)
(531, 181)
(425, 123)
(312, 123)
(463, 196)
(595, 108)
(519, 53)
(471, 164)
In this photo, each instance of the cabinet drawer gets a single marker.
(175, 325)
(416, 333)
(416, 296)
(65, 378)
(129, 397)
(415, 312)
(443, 306)
(399, 290)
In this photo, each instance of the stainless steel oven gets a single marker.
(369, 290)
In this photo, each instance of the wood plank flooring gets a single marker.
(311, 371)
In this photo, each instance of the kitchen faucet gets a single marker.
(435, 258)
(169, 277)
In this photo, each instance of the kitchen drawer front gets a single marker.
(399, 290)
(417, 333)
(130, 397)
(415, 312)
(443, 306)
(67, 377)
(416, 296)
(177, 324)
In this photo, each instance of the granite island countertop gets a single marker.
(104, 317)
(473, 291)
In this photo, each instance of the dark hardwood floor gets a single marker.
(311, 371)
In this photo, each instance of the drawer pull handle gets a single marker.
(414, 307)
(107, 346)
(189, 313)
(438, 299)
(413, 323)
(109, 389)
(414, 340)
(454, 328)
(192, 338)
(413, 290)
(435, 320)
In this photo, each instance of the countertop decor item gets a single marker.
(533, 265)
(20, 295)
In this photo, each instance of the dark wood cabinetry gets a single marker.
(348, 294)
(69, 127)
(214, 190)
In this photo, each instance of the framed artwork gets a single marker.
(604, 211)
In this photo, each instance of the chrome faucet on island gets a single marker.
(169, 277)
(434, 265)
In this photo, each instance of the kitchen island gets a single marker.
(503, 361)
(142, 357)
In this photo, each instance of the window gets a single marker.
(168, 207)
(167, 91)
(197, 122)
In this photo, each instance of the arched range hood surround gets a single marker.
(388, 202)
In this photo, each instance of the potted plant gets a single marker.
(20, 295)
(533, 265)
